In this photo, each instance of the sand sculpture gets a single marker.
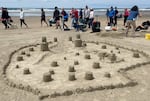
(19, 58)
(26, 71)
(71, 69)
(54, 64)
(31, 49)
(96, 64)
(136, 55)
(47, 77)
(72, 77)
(78, 43)
(44, 46)
(89, 76)
(51, 71)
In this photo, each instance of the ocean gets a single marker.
(49, 11)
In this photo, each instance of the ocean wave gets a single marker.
(49, 11)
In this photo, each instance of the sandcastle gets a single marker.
(44, 46)
(87, 56)
(47, 77)
(51, 71)
(54, 64)
(108, 75)
(26, 71)
(76, 62)
(23, 53)
(113, 58)
(89, 76)
(96, 65)
(31, 49)
(19, 58)
(72, 77)
(71, 69)
(17, 66)
(136, 55)
(44, 39)
(78, 43)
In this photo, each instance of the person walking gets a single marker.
(56, 16)
(4, 17)
(43, 17)
(126, 14)
(22, 21)
(131, 20)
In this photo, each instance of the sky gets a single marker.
(73, 3)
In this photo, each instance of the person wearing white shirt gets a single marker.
(86, 14)
(22, 21)
(91, 17)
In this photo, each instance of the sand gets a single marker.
(13, 39)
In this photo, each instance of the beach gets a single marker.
(14, 38)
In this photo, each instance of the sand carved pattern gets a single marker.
(20, 86)
(88, 76)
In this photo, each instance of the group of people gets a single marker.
(112, 15)
(7, 21)
(130, 18)
(79, 18)
(85, 16)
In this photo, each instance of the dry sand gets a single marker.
(13, 39)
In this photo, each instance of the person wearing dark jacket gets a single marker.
(4, 17)
(81, 14)
(56, 16)
(145, 25)
(115, 17)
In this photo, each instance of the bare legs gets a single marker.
(43, 20)
(129, 24)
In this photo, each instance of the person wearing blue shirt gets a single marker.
(111, 15)
(131, 20)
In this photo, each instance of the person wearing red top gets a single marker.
(126, 14)
(76, 16)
